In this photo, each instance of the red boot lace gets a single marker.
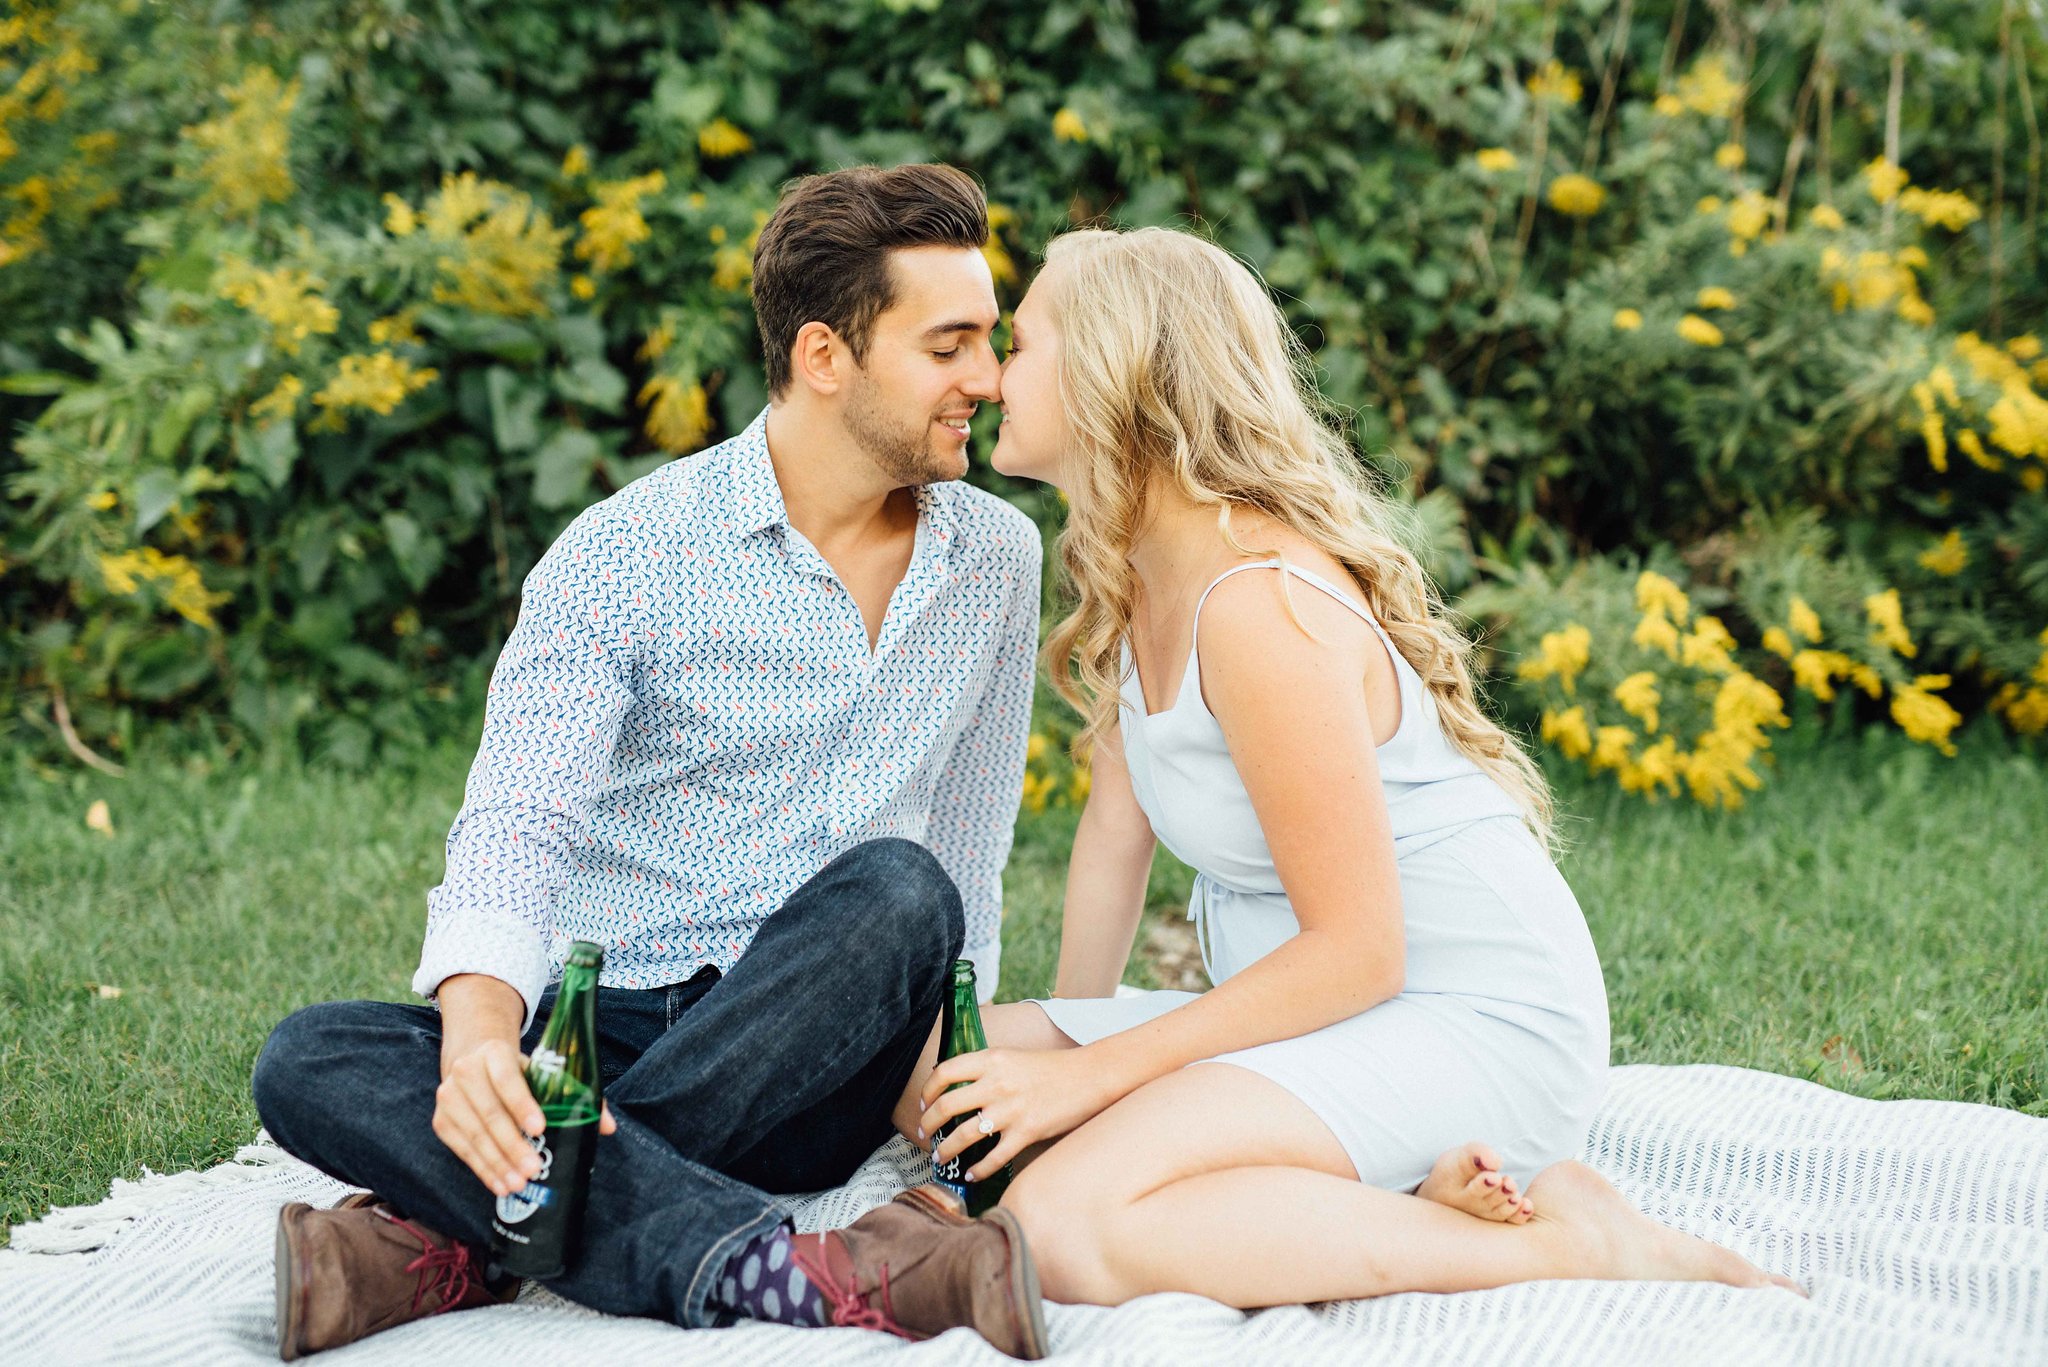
(850, 1308)
(444, 1269)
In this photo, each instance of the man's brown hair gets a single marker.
(823, 256)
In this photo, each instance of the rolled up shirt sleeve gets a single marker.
(974, 806)
(562, 687)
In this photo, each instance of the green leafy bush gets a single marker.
(323, 319)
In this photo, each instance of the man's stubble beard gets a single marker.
(898, 454)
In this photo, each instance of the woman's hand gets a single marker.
(1026, 1095)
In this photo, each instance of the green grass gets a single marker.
(1877, 920)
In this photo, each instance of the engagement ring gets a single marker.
(986, 1126)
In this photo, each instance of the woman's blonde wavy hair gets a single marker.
(1175, 362)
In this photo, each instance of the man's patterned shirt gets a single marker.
(686, 724)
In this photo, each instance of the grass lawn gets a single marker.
(1877, 920)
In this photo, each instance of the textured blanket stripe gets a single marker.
(1920, 1226)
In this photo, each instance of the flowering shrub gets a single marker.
(319, 326)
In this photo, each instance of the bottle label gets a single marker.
(520, 1205)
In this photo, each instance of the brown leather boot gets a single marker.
(346, 1273)
(917, 1268)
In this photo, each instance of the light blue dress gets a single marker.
(1500, 1033)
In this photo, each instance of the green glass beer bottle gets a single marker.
(960, 1033)
(533, 1230)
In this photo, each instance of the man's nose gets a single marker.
(986, 380)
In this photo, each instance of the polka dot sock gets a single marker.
(762, 1282)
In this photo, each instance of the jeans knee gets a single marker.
(289, 1067)
(917, 904)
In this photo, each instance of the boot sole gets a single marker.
(288, 1279)
(1023, 1284)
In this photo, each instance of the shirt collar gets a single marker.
(757, 503)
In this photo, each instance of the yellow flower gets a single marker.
(1803, 619)
(1948, 556)
(1941, 380)
(1816, 670)
(1717, 771)
(378, 382)
(658, 340)
(1714, 297)
(281, 402)
(1826, 217)
(1656, 768)
(1885, 179)
(1639, 696)
(1668, 106)
(1924, 717)
(2033, 479)
(1950, 209)
(502, 252)
(1915, 309)
(1080, 785)
(1567, 731)
(2024, 347)
(1748, 216)
(1562, 655)
(1035, 748)
(583, 287)
(577, 161)
(731, 268)
(1973, 446)
(246, 161)
(720, 139)
(285, 298)
(1708, 89)
(1655, 593)
(2026, 711)
(1576, 195)
(1067, 126)
(614, 225)
(1866, 678)
(1779, 642)
(1699, 331)
(1888, 619)
(1610, 748)
(1655, 632)
(1729, 156)
(459, 202)
(185, 593)
(1627, 320)
(396, 329)
(1708, 646)
(1937, 441)
(1555, 81)
(399, 218)
(1707, 204)
(103, 500)
(678, 417)
(1744, 705)
(1495, 159)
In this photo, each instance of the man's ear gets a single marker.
(819, 359)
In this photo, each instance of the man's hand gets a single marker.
(484, 1111)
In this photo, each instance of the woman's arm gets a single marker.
(1295, 714)
(1106, 876)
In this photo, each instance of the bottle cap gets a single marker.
(586, 954)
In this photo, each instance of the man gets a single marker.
(759, 732)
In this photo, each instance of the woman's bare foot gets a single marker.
(1469, 1178)
(1610, 1239)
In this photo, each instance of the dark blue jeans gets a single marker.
(777, 1077)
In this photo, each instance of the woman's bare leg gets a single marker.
(1216, 1181)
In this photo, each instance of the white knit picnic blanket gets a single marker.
(1921, 1227)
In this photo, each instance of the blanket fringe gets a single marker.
(80, 1229)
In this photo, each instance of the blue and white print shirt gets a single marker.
(686, 724)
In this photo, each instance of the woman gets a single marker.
(1398, 966)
